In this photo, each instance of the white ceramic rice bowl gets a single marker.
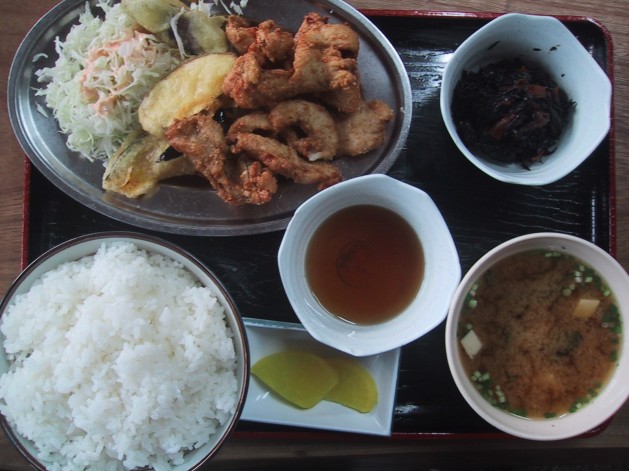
(88, 245)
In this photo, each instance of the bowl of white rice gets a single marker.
(120, 351)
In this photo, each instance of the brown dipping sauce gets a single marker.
(365, 264)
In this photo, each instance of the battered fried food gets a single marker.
(325, 55)
(268, 72)
(139, 165)
(194, 86)
(237, 180)
(293, 119)
(252, 87)
(276, 78)
(364, 130)
(283, 160)
(255, 122)
(240, 33)
(275, 44)
(325, 62)
(261, 75)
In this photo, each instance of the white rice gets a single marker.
(119, 360)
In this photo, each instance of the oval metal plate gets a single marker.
(196, 209)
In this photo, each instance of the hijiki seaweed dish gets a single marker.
(158, 89)
(510, 112)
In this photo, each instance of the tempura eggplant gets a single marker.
(201, 33)
(140, 164)
(193, 31)
(152, 15)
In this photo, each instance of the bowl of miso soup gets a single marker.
(536, 336)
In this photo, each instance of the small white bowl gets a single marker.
(543, 41)
(83, 246)
(442, 270)
(613, 395)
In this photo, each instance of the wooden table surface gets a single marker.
(609, 447)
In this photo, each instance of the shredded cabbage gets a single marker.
(103, 72)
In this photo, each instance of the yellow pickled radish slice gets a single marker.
(357, 388)
(301, 378)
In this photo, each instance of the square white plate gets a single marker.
(262, 405)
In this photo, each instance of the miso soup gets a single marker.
(540, 334)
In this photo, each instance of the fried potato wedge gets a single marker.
(194, 86)
(139, 165)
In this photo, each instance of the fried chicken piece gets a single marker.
(325, 61)
(274, 45)
(364, 130)
(345, 100)
(256, 181)
(255, 122)
(240, 33)
(305, 126)
(261, 75)
(252, 87)
(238, 180)
(296, 118)
(283, 160)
